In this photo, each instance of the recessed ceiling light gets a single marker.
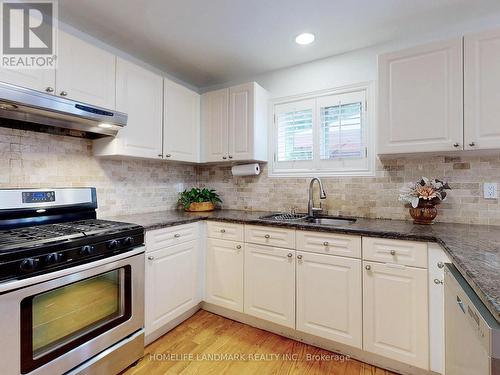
(304, 38)
(105, 126)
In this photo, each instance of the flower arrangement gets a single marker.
(423, 196)
(432, 191)
(198, 199)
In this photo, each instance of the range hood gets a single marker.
(21, 104)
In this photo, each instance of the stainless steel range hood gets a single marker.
(18, 103)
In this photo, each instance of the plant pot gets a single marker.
(201, 206)
(424, 214)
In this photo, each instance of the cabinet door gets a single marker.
(270, 284)
(241, 122)
(395, 313)
(420, 99)
(171, 283)
(215, 125)
(85, 73)
(35, 79)
(181, 126)
(329, 302)
(139, 93)
(224, 274)
(481, 90)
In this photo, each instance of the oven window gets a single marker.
(58, 320)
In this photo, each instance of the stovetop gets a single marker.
(40, 235)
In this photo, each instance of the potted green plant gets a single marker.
(197, 199)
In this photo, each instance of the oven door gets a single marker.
(56, 325)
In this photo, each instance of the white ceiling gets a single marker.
(207, 42)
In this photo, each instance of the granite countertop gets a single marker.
(473, 249)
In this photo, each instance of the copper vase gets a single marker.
(425, 213)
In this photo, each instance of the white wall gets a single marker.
(352, 67)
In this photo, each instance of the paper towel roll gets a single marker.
(246, 170)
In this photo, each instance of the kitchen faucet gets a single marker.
(311, 210)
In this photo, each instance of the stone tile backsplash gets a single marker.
(372, 197)
(30, 159)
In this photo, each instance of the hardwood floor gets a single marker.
(198, 346)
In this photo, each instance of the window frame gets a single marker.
(318, 167)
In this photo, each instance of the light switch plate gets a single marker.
(490, 190)
(179, 187)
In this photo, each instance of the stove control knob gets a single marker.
(113, 245)
(128, 241)
(86, 250)
(53, 258)
(28, 264)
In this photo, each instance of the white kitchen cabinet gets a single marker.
(181, 125)
(421, 99)
(329, 297)
(171, 283)
(437, 260)
(35, 79)
(234, 124)
(139, 93)
(270, 284)
(481, 90)
(224, 274)
(214, 125)
(395, 312)
(85, 73)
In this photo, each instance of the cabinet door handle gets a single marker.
(230, 156)
(267, 236)
(238, 247)
(325, 243)
(299, 257)
(437, 281)
(440, 264)
(290, 255)
(151, 258)
(49, 89)
(160, 155)
(177, 235)
(393, 252)
(368, 267)
(472, 144)
(63, 93)
(168, 155)
(456, 145)
(224, 157)
(223, 231)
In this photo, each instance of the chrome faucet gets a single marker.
(311, 210)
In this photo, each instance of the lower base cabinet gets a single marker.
(395, 312)
(270, 284)
(172, 283)
(329, 297)
(224, 274)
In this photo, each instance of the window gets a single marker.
(322, 134)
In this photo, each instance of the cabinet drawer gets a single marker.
(408, 253)
(161, 238)
(225, 231)
(329, 243)
(271, 236)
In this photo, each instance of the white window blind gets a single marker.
(327, 133)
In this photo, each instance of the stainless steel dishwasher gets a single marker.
(472, 334)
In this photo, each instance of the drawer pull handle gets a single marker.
(393, 252)
(299, 257)
(325, 243)
(368, 267)
(290, 255)
(238, 247)
(151, 258)
(177, 235)
(437, 281)
(223, 231)
(267, 236)
(440, 264)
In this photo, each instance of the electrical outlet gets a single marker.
(179, 187)
(490, 190)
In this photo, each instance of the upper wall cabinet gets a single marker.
(481, 88)
(420, 99)
(35, 79)
(139, 93)
(85, 73)
(234, 124)
(181, 123)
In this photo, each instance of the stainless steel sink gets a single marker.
(331, 221)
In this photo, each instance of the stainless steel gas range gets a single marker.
(71, 286)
